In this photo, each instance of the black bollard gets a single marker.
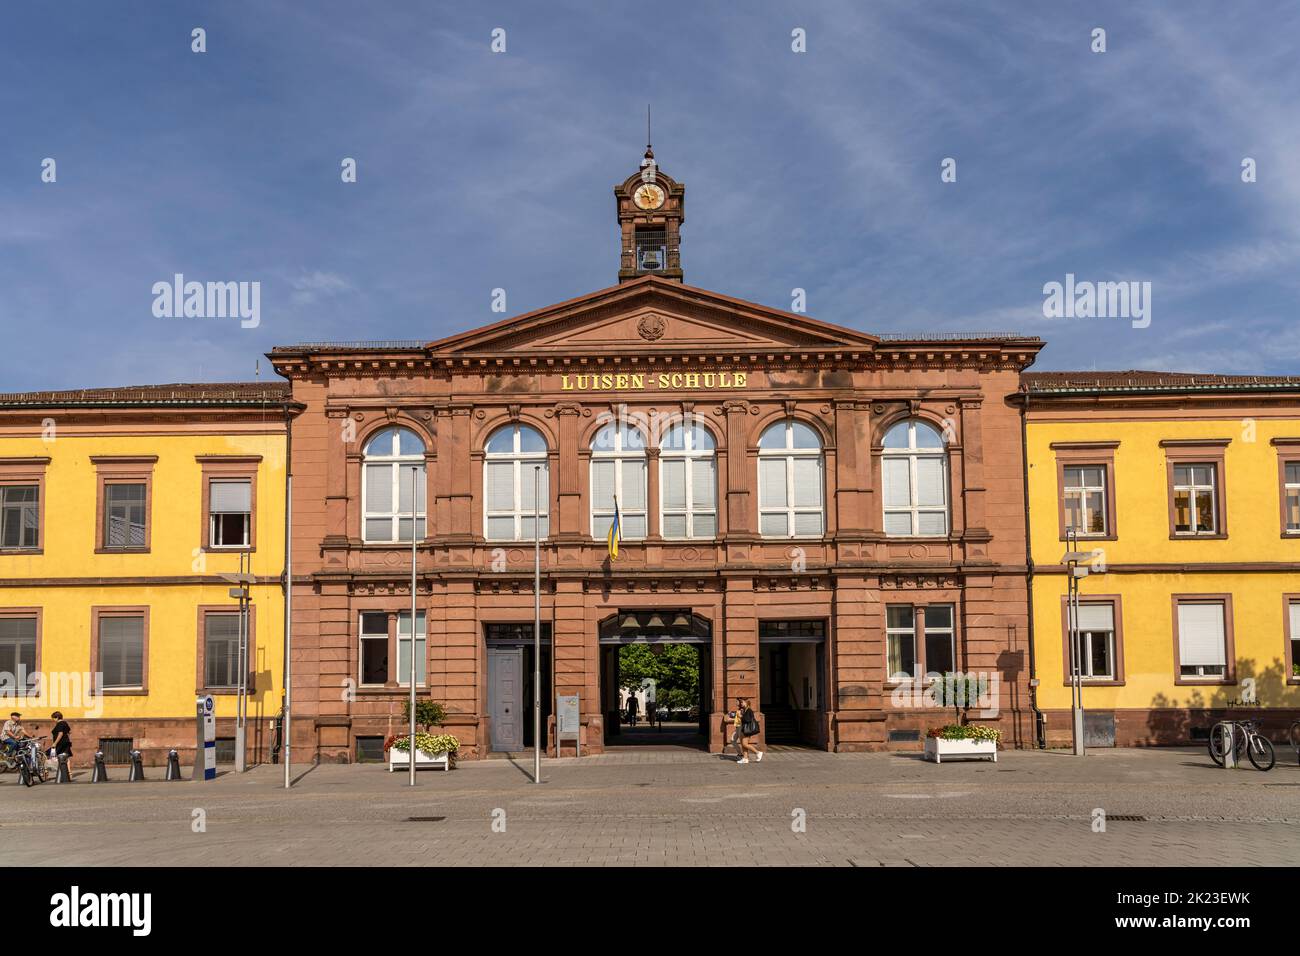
(173, 765)
(100, 773)
(137, 768)
(63, 775)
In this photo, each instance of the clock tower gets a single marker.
(651, 210)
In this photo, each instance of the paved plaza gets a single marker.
(655, 807)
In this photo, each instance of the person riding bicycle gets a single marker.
(12, 732)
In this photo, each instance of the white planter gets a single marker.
(936, 748)
(398, 758)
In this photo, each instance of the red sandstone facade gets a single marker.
(652, 350)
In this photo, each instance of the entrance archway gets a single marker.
(660, 658)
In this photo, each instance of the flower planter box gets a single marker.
(936, 748)
(398, 758)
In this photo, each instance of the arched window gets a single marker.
(511, 454)
(790, 482)
(618, 471)
(392, 456)
(688, 483)
(914, 479)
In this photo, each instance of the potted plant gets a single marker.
(961, 740)
(431, 750)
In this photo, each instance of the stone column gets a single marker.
(857, 662)
(567, 477)
(741, 516)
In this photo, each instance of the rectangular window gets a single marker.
(19, 516)
(626, 479)
(121, 650)
(940, 648)
(1202, 639)
(230, 512)
(920, 641)
(124, 515)
(221, 649)
(688, 487)
(1085, 499)
(374, 647)
(1291, 497)
(404, 648)
(1097, 639)
(1195, 510)
(18, 649)
(1293, 639)
(900, 637)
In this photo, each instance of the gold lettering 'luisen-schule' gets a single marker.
(637, 381)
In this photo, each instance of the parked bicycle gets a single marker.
(1294, 737)
(1247, 740)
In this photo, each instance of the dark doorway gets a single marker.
(661, 659)
(792, 681)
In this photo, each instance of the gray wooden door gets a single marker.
(505, 697)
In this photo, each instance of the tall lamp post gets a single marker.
(537, 626)
(416, 473)
(1078, 566)
(242, 580)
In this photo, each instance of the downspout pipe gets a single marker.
(1039, 720)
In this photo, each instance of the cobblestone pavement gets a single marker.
(680, 808)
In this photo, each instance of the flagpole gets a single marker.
(537, 627)
(415, 510)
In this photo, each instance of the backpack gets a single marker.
(748, 723)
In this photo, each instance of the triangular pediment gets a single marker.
(652, 314)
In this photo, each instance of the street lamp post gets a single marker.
(242, 581)
(415, 510)
(1078, 566)
(537, 626)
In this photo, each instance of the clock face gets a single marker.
(648, 196)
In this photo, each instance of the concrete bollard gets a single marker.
(63, 775)
(100, 773)
(173, 765)
(137, 768)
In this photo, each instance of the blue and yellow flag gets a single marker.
(615, 534)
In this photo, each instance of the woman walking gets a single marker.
(746, 727)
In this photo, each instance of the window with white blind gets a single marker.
(914, 479)
(1291, 496)
(124, 515)
(790, 481)
(18, 649)
(230, 510)
(1293, 635)
(393, 469)
(221, 649)
(1096, 626)
(688, 483)
(404, 648)
(1202, 639)
(510, 457)
(121, 651)
(618, 470)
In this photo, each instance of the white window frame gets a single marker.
(1081, 491)
(618, 455)
(521, 460)
(394, 461)
(1289, 488)
(689, 454)
(1193, 491)
(214, 515)
(362, 638)
(1219, 671)
(912, 454)
(1086, 638)
(791, 455)
(927, 629)
(910, 634)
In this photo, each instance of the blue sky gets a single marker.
(479, 170)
